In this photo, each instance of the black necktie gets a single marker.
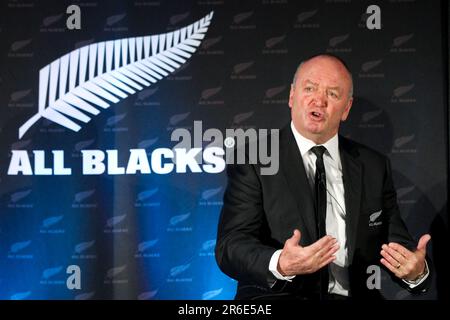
(320, 189)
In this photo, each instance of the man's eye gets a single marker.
(333, 94)
(308, 89)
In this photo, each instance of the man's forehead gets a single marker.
(315, 70)
(317, 78)
(324, 65)
(330, 62)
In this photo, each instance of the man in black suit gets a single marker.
(318, 227)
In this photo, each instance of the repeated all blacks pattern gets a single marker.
(153, 236)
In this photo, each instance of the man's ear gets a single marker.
(347, 109)
(291, 96)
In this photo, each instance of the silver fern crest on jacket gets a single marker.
(78, 85)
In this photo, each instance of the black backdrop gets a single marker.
(239, 77)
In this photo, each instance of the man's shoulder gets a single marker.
(361, 151)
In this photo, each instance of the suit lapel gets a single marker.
(294, 171)
(352, 179)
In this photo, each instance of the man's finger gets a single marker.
(390, 267)
(400, 249)
(295, 239)
(423, 242)
(330, 253)
(326, 252)
(394, 262)
(394, 253)
(327, 262)
(322, 242)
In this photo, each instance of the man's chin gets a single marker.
(315, 130)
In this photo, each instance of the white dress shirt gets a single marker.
(335, 218)
(335, 215)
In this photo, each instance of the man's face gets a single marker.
(319, 98)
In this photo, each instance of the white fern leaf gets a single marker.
(115, 119)
(79, 248)
(207, 194)
(115, 220)
(20, 144)
(83, 144)
(179, 269)
(144, 144)
(19, 246)
(113, 272)
(211, 294)
(177, 219)
(51, 221)
(50, 272)
(208, 245)
(375, 215)
(178, 118)
(146, 244)
(147, 295)
(78, 85)
(84, 296)
(20, 295)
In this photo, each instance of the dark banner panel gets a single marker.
(98, 200)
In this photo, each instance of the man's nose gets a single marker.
(320, 99)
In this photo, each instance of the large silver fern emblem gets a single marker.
(74, 87)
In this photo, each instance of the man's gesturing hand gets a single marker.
(403, 263)
(295, 259)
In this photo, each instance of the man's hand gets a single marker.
(403, 263)
(295, 259)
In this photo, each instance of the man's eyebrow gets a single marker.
(334, 88)
(316, 84)
(310, 82)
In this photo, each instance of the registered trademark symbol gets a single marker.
(229, 142)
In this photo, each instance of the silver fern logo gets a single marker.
(77, 86)
(373, 219)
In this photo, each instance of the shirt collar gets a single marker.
(305, 144)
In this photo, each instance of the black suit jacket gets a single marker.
(260, 213)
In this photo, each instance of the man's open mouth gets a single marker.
(316, 115)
